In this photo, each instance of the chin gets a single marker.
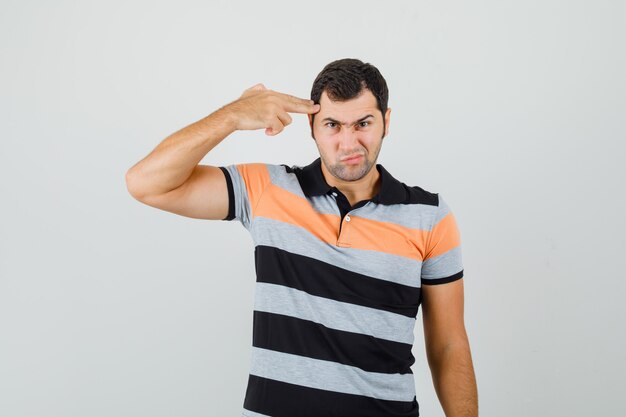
(353, 172)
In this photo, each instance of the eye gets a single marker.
(331, 123)
(364, 125)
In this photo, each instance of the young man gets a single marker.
(344, 253)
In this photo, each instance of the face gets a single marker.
(349, 135)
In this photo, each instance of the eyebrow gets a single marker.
(330, 119)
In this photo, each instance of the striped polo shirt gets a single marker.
(337, 289)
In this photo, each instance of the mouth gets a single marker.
(352, 159)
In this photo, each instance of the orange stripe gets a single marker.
(289, 208)
(256, 177)
(386, 237)
(444, 236)
(359, 233)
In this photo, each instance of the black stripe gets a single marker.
(277, 266)
(231, 195)
(313, 340)
(444, 280)
(281, 399)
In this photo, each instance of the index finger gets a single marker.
(295, 104)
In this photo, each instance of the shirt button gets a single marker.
(348, 218)
(334, 194)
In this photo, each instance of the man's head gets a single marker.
(353, 118)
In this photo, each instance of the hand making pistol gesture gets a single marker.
(259, 107)
(170, 177)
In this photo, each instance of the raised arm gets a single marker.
(170, 178)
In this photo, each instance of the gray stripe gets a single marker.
(325, 204)
(331, 376)
(288, 181)
(412, 216)
(278, 299)
(298, 240)
(285, 180)
(444, 265)
(248, 413)
(242, 204)
(443, 210)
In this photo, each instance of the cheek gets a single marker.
(372, 144)
(325, 145)
(320, 132)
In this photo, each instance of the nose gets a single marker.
(348, 140)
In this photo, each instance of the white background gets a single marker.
(513, 110)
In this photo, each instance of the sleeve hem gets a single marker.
(444, 280)
(231, 195)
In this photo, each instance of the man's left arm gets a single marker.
(448, 350)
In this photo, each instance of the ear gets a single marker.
(387, 118)
(311, 125)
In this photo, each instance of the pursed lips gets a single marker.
(352, 157)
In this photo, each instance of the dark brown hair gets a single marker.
(344, 79)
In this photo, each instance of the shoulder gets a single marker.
(438, 207)
(399, 192)
(418, 195)
(290, 169)
(258, 168)
(277, 174)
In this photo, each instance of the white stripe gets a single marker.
(248, 413)
(278, 299)
(331, 376)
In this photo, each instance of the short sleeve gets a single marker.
(442, 262)
(245, 183)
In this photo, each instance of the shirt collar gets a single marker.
(313, 183)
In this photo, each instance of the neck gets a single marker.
(355, 191)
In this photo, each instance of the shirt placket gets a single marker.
(345, 226)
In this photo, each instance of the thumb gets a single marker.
(275, 128)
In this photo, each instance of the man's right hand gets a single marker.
(259, 107)
(171, 179)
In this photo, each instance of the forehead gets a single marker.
(356, 107)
